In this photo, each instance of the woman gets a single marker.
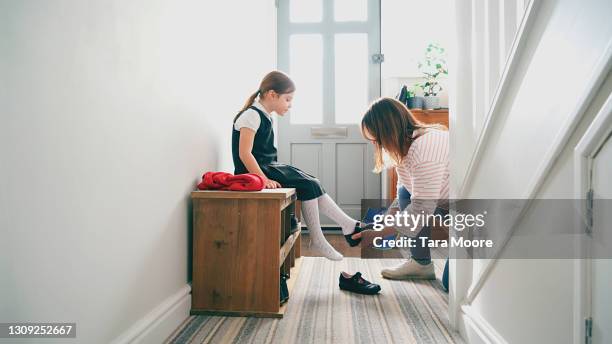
(420, 155)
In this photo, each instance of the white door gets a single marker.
(331, 49)
(601, 269)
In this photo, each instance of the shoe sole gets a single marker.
(409, 277)
(356, 292)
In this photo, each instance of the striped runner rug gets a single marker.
(319, 312)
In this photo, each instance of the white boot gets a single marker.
(410, 270)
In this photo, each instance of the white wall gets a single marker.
(406, 30)
(111, 110)
(532, 300)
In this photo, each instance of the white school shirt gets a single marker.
(250, 118)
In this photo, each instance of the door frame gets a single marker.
(593, 138)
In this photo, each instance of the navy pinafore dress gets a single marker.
(307, 186)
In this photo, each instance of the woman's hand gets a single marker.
(271, 184)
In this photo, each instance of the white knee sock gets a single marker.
(333, 211)
(310, 211)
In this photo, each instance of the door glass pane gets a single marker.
(350, 10)
(351, 76)
(305, 11)
(306, 69)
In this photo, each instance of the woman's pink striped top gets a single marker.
(425, 169)
(424, 172)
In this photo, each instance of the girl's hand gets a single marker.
(271, 184)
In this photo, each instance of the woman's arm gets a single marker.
(245, 146)
(427, 183)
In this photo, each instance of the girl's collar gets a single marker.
(258, 105)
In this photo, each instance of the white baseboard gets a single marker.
(477, 329)
(158, 324)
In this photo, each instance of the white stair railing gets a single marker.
(487, 38)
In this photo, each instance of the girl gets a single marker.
(420, 155)
(254, 152)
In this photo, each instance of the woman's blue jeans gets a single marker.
(419, 252)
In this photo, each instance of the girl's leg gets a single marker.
(333, 211)
(310, 211)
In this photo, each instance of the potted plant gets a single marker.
(433, 67)
(413, 101)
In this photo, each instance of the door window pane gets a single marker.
(306, 69)
(350, 10)
(305, 11)
(351, 76)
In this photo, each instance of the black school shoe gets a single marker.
(357, 284)
(358, 229)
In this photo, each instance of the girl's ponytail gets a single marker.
(248, 104)
(249, 101)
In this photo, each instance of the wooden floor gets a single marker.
(339, 243)
(336, 240)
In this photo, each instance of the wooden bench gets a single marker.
(241, 244)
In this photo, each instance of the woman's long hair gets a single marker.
(276, 81)
(391, 125)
